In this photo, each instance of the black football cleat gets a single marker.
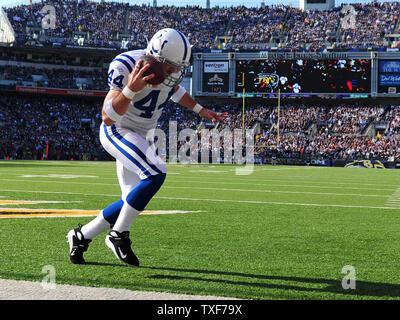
(120, 245)
(77, 245)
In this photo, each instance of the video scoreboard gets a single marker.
(264, 74)
(304, 76)
(389, 76)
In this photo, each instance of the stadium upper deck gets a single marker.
(346, 130)
(112, 24)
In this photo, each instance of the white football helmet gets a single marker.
(172, 47)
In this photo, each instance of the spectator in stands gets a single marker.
(305, 131)
(105, 24)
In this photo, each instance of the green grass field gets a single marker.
(278, 233)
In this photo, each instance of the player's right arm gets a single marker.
(117, 100)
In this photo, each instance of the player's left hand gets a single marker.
(214, 116)
(137, 81)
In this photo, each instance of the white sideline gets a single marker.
(213, 182)
(223, 200)
(280, 203)
(226, 189)
(29, 290)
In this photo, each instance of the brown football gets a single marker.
(156, 67)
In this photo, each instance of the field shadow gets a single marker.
(106, 264)
(296, 284)
(363, 288)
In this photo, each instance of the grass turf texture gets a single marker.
(278, 233)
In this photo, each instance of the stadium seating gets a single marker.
(92, 79)
(106, 24)
(65, 125)
(70, 124)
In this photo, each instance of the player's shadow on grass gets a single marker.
(363, 288)
(105, 264)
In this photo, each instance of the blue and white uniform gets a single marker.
(146, 107)
(126, 139)
(140, 171)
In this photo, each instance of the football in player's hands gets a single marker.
(156, 67)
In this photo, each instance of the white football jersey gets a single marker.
(146, 107)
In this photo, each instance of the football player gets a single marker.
(130, 110)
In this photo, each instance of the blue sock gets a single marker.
(137, 200)
(111, 213)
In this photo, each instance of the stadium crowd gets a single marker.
(255, 25)
(393, 117)
(71, 78)
(373, 22)
(60, 128)
(105, 24)
(314, 27)
(352, 120)
(48, 127)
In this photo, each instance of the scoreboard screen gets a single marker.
(389, 76)
(216, 76)
(304, 76)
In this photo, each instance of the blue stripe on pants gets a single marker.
(134, 148)
(126, 154)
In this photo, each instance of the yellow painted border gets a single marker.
(38, 213)
(31, 213)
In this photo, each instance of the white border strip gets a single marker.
(281, 203)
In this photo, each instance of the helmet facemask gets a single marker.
(166, 46)
(175, 78)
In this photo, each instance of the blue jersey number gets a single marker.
(153, 98)
(117, 80)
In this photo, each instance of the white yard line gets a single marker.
(19, 202)
(236, 179)
(61, 182)
(394, 199)
(308, 185)
(207, 182)
(278, 179)
(23, 213)
(62, 192)
(281, 191)
(215, 200)
(221, 189)
(280, 203)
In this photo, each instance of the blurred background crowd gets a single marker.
(68, 129)
(106, 24)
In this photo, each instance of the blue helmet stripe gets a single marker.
(184, 42)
